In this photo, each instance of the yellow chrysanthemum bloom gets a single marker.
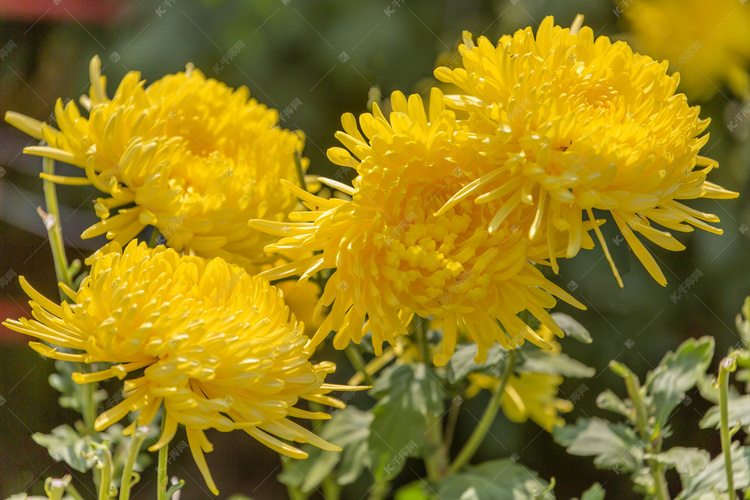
(707, 42)
(568, 124)
(393, 257)
(187, 155)
(217, 346)
(528, 395)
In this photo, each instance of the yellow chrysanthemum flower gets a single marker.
(528, 395)
(217, 347)
(393, 257)
(568, 124)
(707, 42)
(187, 154)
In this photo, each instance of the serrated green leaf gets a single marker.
(713, 478)
(743, 323)
(739, 413)
(677, 373)
(614, 446)
(609, 401)
(572, 328)
(688, 461)
(494, 480)
(65, 444)
(596, 492)
(541, 361)
(350, 429)
(462, 361)
(407, 396)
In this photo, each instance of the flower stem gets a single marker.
(358, 362)
(653, 445)
(727, 365)
(154, 237)
(106, 472)
(126, 483)
(161, 473)
(73, 492)
(483, 427)
(54, 228)
(436, 457)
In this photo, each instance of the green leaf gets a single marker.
(615, 446)
(596, 492)
(417, 490)
(541, 361)
(462, 362)
(350, 429)
(494, 480)
(713, 478)
(65, 444)
(609, 401)
(71, 394)
(739, 413)
(572, 328)
(407, 395)
(688, 461)
(743, 323)
(677, 373)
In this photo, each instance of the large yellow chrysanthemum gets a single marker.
(527, 394)
(187, 154)
(213, 345)
(569, 123)
(394, 258)
(707, 42)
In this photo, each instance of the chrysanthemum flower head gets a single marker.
(706, 42)
(187, 155)
(211, 344)
(393, 257)
(568, 123)
(528, 395)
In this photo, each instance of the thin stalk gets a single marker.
(161, 470)
(358, 362)
(450, 425)
(436, 458)
(727, 366)
(54, 228)
(653, 446)
(106, 470)
(126, 481)
(483, 427)
(73, 492)
(300, 171)
(154, 237)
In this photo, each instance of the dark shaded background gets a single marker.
(327, 54)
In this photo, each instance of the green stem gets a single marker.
(161, 472)
(380, 490)
(436, 456)
(54, 227)
(726, 366)
(653, 444)
(154, 237)
(300, 171)
(483, 427)
(105, 484)
(73, 492)
(358, 362)
(126, 482)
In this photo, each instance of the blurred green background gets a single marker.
(326, 55)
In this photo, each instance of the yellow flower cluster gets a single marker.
(213, 345)
(454, 206)
(187, 155)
